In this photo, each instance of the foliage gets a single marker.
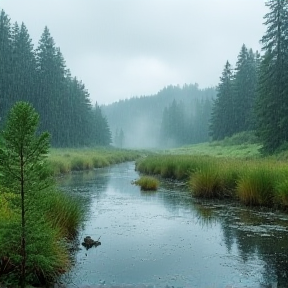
(147, 183)
(63, 161)
(244, 90)
(282, 192)
(224, 148)
(23, 170)
(32, 249)
(254, 181)
(40, 76)
(233, 109)
(222, 116)
(256, 187)
(63, 212)
(146, 121)
(272, 100)
(206, 184)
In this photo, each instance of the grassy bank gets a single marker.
(53, 219)
(64, 161)
(252, 181)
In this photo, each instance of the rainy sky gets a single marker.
(125, 48)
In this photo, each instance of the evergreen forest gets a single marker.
(251, 96)
(40, 76)
(173, 117)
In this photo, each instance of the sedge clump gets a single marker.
(147, 183)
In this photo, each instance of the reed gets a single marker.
(63, 161)
(63, 212)
(281, 188)
(147, 183)
(206, 183)
(257, 181)
(256, 187)
(172, 166)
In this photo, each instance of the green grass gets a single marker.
(53, 218)
(253, 181)
(147, 183)
(64, 161)
(218, 149)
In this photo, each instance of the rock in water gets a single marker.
(89, 242)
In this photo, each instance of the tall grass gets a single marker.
(54, 219)
(261, 182)
(147, 183)
(256, 187)
(64, 161)
(63, 212)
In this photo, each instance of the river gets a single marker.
(168, 239)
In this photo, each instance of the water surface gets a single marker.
(169, 239)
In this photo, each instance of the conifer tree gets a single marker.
(51, 85)
(244, 92)
(5, 64)
(272, 100)
(23, 168)
(23, 66)
(223, 114)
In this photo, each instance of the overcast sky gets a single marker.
(125, 48)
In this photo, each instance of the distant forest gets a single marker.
(174, 116)
(40, 76)
(251, 96)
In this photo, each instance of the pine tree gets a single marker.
(23, 66)
(223, 114)
(244, 93)
(101, 131)
(173, 128)
(5, 65)
(51, 72)
(22, 166)
(272, 102)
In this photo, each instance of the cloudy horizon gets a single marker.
(121, 49)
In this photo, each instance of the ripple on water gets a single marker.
(169, 240)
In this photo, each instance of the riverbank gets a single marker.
(254, 181)
(168, 238)
(56, 215)
(66, 160)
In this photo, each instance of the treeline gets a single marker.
(40, 76)
(185, 124)
(254, 96)
(174, 116)
(234, 107)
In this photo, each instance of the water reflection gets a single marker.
(169, 239)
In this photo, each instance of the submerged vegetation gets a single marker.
(147, 183)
